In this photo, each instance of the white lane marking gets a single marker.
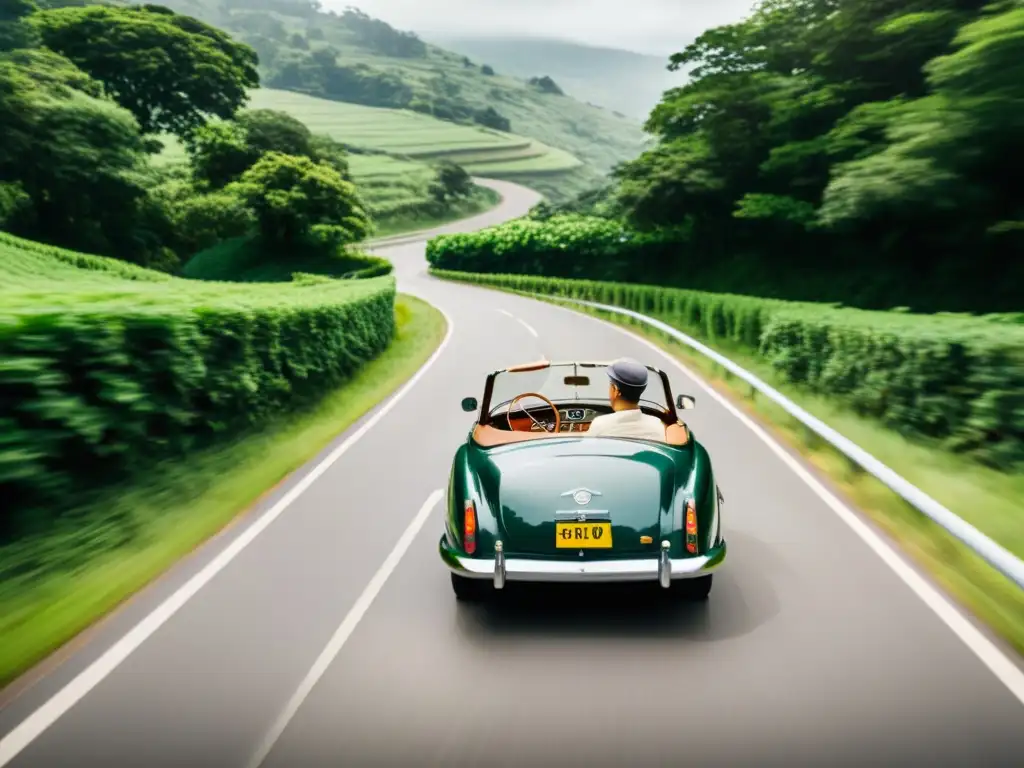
(1008, 673)
(35, 724)
(522, 322)
(345, 629)
(528, 327)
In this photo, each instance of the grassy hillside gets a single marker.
(626, 82)
(350, 58)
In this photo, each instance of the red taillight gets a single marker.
(691, 527)
(469, 529)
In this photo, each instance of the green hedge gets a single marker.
(104, 370)
(247, 260)
(953, 378)
(569, 246)
(375, 266)
(583, 247)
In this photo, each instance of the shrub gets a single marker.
(296, 200)
(956, 379)
(566, 245)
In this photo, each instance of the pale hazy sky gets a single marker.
(648, 26)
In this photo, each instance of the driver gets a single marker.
(628, 382)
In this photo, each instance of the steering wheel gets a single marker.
(558, 416)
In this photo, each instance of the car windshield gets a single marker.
(569, 382)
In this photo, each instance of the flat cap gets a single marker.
(629, 374)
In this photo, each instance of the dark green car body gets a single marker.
(525, 492)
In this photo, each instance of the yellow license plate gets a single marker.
(583, 535)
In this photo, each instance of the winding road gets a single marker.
(321, 630)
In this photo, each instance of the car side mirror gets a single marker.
(469, 404)
(685, 403)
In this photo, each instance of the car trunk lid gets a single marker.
(604, 498)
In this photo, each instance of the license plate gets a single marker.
(583, 535)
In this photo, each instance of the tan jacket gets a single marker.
(629, 423)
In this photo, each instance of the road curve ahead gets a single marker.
(323, 630)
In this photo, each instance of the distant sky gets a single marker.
(647, 26)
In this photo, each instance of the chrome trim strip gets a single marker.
(665, 566)
(577, 490)
(582, 515)
(516, 569)
(499, 565)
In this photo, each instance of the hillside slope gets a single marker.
(393, 150)
(624, 81)
(352, 58)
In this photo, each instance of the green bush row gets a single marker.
(375, 266)
(102, 376)
(951, 378)
(567, 245)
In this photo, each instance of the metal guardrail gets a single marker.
(995, 555)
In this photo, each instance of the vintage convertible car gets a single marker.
(532, 497)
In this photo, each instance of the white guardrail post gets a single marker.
(998, 557)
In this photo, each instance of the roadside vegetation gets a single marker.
(862, 153)
(143, 409)
(103, 547)
(90, 93)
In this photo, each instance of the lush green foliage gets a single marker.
(873, 143)
(169, 71)
(956, 379)
(74, 160)
(109, 367)
(251, 260)
(298, 201)
(452, 182)
(108, 546)
(563, 246)
(76, 167)
(78, 160)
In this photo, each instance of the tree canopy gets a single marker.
(170, 71)
(865, 136)
(297, 200)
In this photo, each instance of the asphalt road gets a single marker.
(322, 630)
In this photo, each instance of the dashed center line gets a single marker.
(522, 322)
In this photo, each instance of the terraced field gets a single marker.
(396, 131)
(409, 142)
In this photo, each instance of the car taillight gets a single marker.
(691, 527)
(469, 529)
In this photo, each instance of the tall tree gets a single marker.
(14, 32)
(170, 71)
(843, 132)
(298, 201)
(77, 157)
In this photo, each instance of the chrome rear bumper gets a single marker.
(501, 569)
